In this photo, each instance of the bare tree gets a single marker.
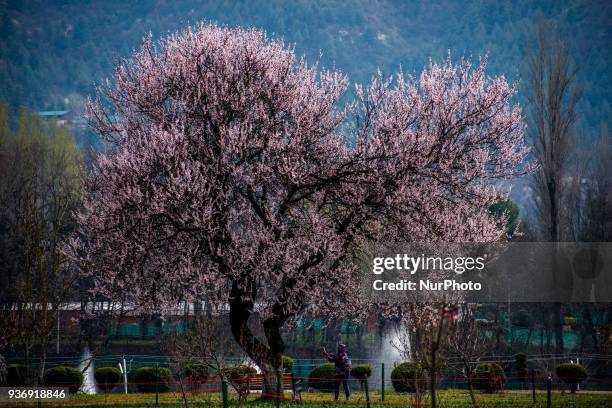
(467, 343)
(427, 329)
(207, 343)
(40, 187)
(596, 226)
(553, 93)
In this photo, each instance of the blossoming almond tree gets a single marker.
(235, 176)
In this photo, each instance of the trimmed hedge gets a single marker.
(107, 377)
(572, 375)
(287, 364)
(406, 376)
(234, 373)
(489, 377)
(361, 372)
(64, 377)
(197, 373)
(150, 379)
(322, 377)
(17, 375)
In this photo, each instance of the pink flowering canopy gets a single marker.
(234, 176)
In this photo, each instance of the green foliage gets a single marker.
(197, 373)
(287, 364)
(489, 377)
(571, 374)
(407, 376)
(107, 377)
(361, 371)
(520, 364)
(64, 377)
(508, 209)
(322, 377)
(236, 373)
(17, 375)
(150, 379)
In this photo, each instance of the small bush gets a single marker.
(197, 373)
(489, 377)
(571, 374)
(148, 378)
(64, 377)
(322, 377)
(107, 377)
(287, 364)
(236, 373)
(406, 376)
(361, 372)
(238, 376)
(520, 364)
(17, 375)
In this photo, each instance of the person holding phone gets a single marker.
(342, 363)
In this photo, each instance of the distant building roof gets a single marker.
(53, 113)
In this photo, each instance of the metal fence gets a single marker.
(217, 390)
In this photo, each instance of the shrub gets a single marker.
(361, 372)
(520, 363)
(148, 378)
(238, 377)
(489, 377)
(406, 376)
(287, 364)
(234, 372)
(237, 373)
(197, 373)
(571, 374)
(17, 375)
(107, 377)
(64, 377)
(322, 377)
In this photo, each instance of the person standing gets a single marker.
(342, 364)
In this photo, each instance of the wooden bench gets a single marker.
(246, 383)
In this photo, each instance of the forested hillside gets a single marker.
(52, 52)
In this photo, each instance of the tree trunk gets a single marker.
(432, 385)
(468, 374)
(432, 374)
(471, 390)
(267, 357)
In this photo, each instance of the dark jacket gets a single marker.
(341, 360)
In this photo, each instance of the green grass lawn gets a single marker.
(446, 399)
